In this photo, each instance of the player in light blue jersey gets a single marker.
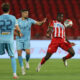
(23, 43)
(7, 25)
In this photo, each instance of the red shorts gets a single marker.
(58, 42)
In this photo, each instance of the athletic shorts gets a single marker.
(9, 47)
(58, 42)
(22, 45)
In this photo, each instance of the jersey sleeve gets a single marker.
(16, 22)
(33, 21)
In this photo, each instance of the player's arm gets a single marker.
(66, 39)
(18, 31)
(49, 30)
(41, 22)
(73, 44)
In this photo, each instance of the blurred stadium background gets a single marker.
(40, 9)
(54, 68)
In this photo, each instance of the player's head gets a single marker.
(60, 17)
(25, 13)
(5, 7)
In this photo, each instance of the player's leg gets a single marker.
(27, 57)
(67, 47)
(10, 49)
(69, 55)
(51, 49)
(19, 51)
(44, 59)
(27, 49)
(2, 48)
(13, 63)
(20, 58)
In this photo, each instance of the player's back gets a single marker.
(7, 24)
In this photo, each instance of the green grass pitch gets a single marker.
(53, 69)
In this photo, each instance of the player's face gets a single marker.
(60, 17)
(25, 14)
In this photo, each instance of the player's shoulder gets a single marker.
(11, 16)
(19, 19)
(30, 19)
(53, 21)
(7, 16)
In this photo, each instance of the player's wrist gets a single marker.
(19, 33)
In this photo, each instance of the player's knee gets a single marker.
(19, 54)
(46, 58)
(73, 53)
(28, 53)
(11, 56)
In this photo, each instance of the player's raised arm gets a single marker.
(41, 22)
(49, 30)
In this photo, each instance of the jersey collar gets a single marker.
(6, 14)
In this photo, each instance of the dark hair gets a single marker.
(59, 14)
(23, 10)
(5, 7)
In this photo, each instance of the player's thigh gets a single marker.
(65, 45)
(27, 45)
(19, 45)
(52, 47)
(10, 48)
(2, 48)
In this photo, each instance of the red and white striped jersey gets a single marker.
(58, 29)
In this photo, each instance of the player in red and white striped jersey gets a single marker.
(57, 31)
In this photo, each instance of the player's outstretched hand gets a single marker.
(44, 20)
(47, 35)
(73, 44)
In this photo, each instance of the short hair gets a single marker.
(23, 10)
(5, 7)
(59, 14)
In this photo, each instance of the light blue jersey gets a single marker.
(7, 25)
(25, 27)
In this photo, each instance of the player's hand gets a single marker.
(44, 20)
(73, 44)
(47, 35)
(20, 35)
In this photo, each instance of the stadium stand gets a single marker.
(40, 9)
